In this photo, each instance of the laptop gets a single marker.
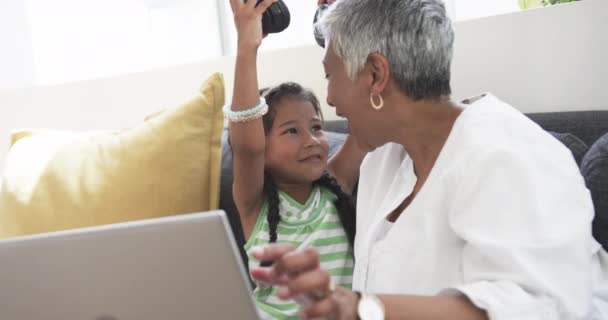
(180, 267)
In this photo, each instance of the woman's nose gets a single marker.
(329, 102)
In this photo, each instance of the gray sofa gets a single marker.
(585, 133)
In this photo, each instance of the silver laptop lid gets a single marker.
(180, 267)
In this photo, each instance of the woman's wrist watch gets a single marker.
(369, 307)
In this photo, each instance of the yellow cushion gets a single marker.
(169, 164)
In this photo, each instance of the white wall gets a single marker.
(470, 9)
(16, 57)
(538, 60)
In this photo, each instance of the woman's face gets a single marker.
(350, 98)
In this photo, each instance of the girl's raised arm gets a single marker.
(246, 129)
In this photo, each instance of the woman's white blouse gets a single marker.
(504, 218)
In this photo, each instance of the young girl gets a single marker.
(283, 184)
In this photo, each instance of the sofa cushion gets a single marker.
(169, 164)
(585, 125)
(594, 168)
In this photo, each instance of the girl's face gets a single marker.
(296, 147)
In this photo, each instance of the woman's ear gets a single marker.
(380, 72)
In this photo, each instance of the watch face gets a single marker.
(370, 308)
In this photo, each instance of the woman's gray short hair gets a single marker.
(415, 36)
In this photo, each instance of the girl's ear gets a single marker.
(380, 72)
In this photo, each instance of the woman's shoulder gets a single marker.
(490, 125)
(388, 154)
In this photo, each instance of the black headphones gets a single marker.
(276, 18)
(318, 34)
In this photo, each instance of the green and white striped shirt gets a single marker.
(314, 224)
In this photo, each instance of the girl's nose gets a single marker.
(311, 140)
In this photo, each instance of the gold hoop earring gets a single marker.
(374, 105)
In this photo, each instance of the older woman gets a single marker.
(465, 210)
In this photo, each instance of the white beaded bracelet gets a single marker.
(247, 114)
(254, 116)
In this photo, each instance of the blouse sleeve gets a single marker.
(526, 226)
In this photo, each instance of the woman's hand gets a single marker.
(248, 22)
(299, 276)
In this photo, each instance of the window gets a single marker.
(53, 41)
(84, 39)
